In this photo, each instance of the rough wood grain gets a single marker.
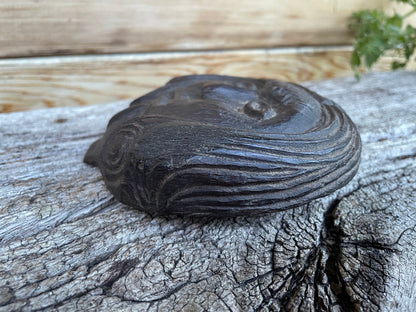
(76, 81)
(66, 245)
(32, 27)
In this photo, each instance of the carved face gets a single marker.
(223, 145)
(243, 103)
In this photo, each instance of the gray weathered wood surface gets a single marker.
(65, 244)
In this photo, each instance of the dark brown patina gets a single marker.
(226, 146)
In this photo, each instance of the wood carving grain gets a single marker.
(226, 146)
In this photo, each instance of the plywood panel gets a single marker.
(32, 83)
(47, 27)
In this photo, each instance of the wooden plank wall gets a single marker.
(48, 27)
(163, 39)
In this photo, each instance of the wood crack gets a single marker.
(332, 236)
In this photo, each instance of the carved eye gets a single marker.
(255, 109)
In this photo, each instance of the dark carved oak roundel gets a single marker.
(226, 146)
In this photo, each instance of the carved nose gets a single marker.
(255, 109)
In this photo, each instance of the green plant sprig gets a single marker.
(375, 33)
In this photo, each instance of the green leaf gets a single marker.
(375, 33)
(396, 65)
(372, 54)
(355, 59)
(395, 21)
(357, 74)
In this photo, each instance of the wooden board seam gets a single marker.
(142, 56)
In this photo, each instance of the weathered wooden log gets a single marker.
(66, 244)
